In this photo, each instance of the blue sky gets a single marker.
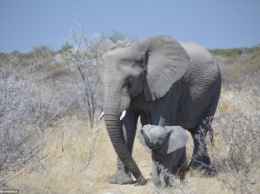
(212, 23)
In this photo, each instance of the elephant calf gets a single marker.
(168, 151)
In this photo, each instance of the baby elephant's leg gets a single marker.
(166, 172)
(156, 175)
(183, 165)
(155, 171)
(182, 172)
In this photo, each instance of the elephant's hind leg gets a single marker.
(200, 157)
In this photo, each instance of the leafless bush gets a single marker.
(237, 152)
(28, 105)
(81, 62)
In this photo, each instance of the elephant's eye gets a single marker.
(129, 82)
(141, 60)
(144, 59)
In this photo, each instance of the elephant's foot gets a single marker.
(199, 162)
(121, 178)
(202, 163)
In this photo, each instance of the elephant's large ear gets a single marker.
(176, 139)
(167, 62)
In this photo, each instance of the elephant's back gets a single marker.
(204, 69)
(197, 53)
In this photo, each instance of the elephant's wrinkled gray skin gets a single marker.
(168, 152)
(164, 82)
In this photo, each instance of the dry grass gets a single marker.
(79, 160)
(65, 167)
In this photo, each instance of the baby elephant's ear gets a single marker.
(142, 135)
(176, 139)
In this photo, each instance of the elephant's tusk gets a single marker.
(101, 116)
(122, 115)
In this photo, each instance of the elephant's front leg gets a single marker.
(155, 170)
(122, 174)
(166, 172)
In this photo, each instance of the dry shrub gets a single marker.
(28, 105)
(239, 160)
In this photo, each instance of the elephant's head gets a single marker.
(148, 68)
(164, 139)
(154, 136)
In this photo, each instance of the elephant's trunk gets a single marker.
(115, 132)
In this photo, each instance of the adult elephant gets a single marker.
(166, 83)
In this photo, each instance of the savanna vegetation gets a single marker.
(51, 140)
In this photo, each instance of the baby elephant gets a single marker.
(168, 151)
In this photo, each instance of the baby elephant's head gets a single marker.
(154, 136)
(164, 139)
